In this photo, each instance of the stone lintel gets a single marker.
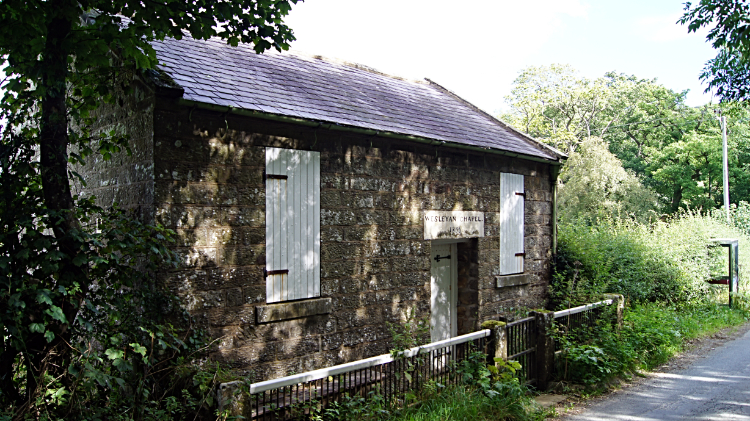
(512, 280)
(292, 310)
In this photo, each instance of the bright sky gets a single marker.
(477, 48)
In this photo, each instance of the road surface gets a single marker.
(713, 387)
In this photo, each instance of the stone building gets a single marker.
(315, 200)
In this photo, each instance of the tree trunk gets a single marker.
(676, 199)
(57, 197)
(54, 128)
(7, 358)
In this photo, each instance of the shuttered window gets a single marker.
(292, 224)
(512, 197)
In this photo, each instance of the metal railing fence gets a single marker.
(529, 341)
(521, 338)
(572, 320)
(387, 376)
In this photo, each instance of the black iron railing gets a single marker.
(387, 376)
(521, 337)
(577, 318)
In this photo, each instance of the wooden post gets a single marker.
(545, 348)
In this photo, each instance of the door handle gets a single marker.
(439, 257)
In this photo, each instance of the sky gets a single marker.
(476, 49)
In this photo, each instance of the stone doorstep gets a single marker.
(548, 401)
(292, 310)
(512, 280)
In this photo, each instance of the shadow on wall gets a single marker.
(375, 265)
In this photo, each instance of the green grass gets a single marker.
(465, 403)
(499, 399)
(659, 331)
(652, 333)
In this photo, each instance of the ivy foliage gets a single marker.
(129, 348)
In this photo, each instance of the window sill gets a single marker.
(512, 280)
(292, 310)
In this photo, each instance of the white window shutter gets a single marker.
(512, 197)
(292, 224)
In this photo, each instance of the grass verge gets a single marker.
(652, 333)
(466, 403)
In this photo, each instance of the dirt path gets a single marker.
(644, 389)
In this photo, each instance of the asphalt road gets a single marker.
(714, 387)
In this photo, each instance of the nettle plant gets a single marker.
(411, 332)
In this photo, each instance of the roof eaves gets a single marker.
(350, 128)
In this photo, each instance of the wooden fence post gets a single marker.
(545, 348)
(498, 346)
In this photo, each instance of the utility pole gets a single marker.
(726, 164)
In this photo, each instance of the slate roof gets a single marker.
(316, 89)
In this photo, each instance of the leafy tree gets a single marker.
(672, 149)
(649, 116)
(729, 72)
(74, 278)
(556, 105)
(689, 171)
(594, 184)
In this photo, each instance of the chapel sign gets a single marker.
(453, 224)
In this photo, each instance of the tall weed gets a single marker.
(665, 261)
(651, 334)
(740, 216)
(661, 268)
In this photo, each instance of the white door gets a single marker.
(443, 295)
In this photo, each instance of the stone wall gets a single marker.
(208, 170)
(127, 180)
(467, 307)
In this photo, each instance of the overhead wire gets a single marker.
(656, 119)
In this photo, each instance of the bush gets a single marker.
(663, 261)
(661, 268)
(651, 334)
(739, 216)
(126, 350)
